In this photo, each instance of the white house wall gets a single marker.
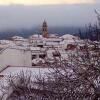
(15, 57)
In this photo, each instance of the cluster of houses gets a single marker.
(35, 50)
(38, 50)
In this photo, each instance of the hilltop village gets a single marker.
(36, 49)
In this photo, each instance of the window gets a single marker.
(34, 57)
(42, 56)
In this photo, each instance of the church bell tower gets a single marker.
(45, 30)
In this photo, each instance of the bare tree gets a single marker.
(91, 32)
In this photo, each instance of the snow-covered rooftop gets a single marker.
(17, 37)
(53, 35)
(18, 70)
(69, 37)
(36, 36)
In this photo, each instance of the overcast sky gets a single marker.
(45, 2)
(16, 14)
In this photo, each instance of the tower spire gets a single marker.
(45, 29)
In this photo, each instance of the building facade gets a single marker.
(15, 57)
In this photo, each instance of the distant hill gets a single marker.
(27, 32)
